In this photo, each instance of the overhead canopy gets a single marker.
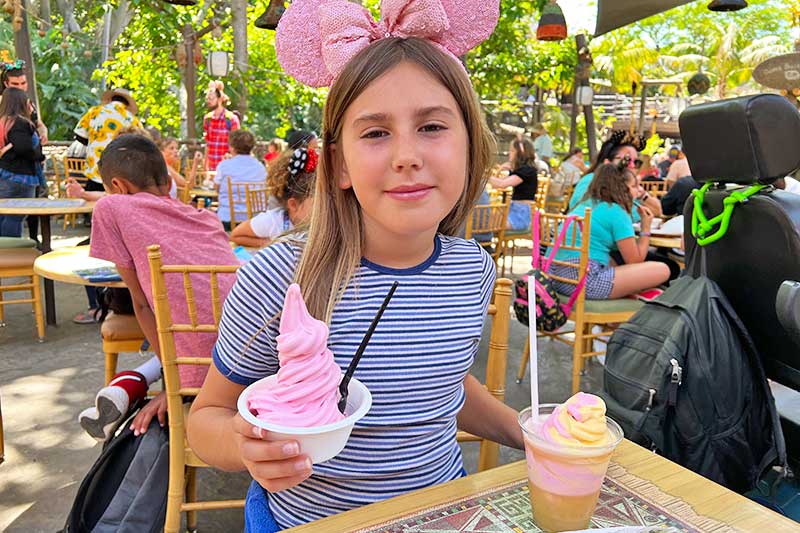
(613, 14)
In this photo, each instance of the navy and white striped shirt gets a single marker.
(414, 366)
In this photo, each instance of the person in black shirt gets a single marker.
(523, 178)
(672, 203)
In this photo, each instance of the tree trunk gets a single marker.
(120, 18)
(45, 14)
(239, 24)
(190, 80)
(67, 10)
(22, 46)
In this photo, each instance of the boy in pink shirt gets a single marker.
(136, 213)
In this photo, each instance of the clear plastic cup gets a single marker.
(564, 481)
(320, 443)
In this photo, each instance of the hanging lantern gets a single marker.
(698, 84)
(180, 55)
(727, 5)
(198, 54)
(218, 64)
(270, 18)
(552, 24)
(584, 95)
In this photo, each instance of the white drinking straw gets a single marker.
(534, 359)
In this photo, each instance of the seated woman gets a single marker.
(169, 149)
(291, 177)
(241, 167)
(611, 199)
(523, 178)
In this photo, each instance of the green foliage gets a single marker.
(677, 43)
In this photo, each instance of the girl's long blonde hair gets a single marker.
(335, 235)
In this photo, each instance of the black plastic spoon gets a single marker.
(363, 346)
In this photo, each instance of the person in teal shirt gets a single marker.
(610, 197)
(620, 148)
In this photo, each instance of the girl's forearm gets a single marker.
(211, 436)
(486, 416)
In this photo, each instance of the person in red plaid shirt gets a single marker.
(217, 124)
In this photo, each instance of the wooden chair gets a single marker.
(586, 314)
(257, 199)
(655, 188)
(121, 334)
(489, 219)
(238, 194)
(74, 167)
(2, 442)
(495, 367)
(17, 262)
(183, 462)
(542, 190)
(185, 192)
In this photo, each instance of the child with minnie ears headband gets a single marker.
(405, 156)
(291, 178)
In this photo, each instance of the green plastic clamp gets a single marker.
(702, 226)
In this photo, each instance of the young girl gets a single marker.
(21, 162)
(404, 159)
(136, 213)
(611, 199)
(291, 176)
(274, 149)
(523, 178)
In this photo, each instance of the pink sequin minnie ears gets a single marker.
(317, 38)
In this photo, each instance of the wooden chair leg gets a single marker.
(191, 496)
(2, 307)
(111, 365)
(37, 305)
(578, 350)
(2, 442)
(175, 492)
(526, 355)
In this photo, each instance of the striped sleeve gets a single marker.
(246, 349)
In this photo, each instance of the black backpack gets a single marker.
(125, 490)
(683, 378)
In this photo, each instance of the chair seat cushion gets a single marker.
(18, 257)
(620, 305)
(120, 328)
(16, 242)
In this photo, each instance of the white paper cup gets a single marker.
(320, 443)
(656, 223)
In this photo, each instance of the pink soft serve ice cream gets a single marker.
(305, 392)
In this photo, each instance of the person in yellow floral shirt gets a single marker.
(100, 125)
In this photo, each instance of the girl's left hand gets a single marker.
(5, 149)
(155, 407)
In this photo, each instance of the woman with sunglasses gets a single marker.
(623, 148)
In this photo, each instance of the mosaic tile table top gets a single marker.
(625, 500)
(41, 202)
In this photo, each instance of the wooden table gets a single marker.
(206, 193)
(45, 208)
(705, 497)
(666, 241)
(59, 265)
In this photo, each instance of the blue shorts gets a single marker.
(519, 216)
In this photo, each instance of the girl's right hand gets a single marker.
(275, 465)
(74, 189)
(647, 217)
(5, 149)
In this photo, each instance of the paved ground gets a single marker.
(44, 386)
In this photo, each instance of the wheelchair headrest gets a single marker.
(742, 140)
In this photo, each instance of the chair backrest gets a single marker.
(576, 238)
(542, 190)
(495, 382)
(257, 199)
(745, 141)
(655, 188)
(238, 198)
(167, 328)
(75, 168)
(487, 225)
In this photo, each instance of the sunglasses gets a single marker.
(625, 162)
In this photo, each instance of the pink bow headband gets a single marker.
(317, 38)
